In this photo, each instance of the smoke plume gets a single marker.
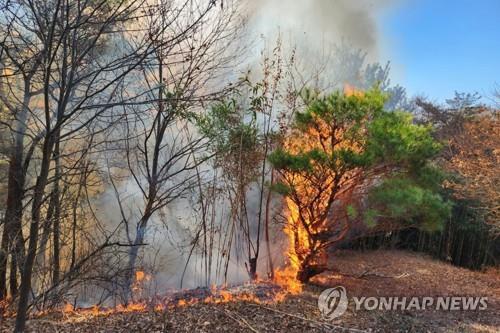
(312, 24)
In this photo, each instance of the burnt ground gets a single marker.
(377, 273)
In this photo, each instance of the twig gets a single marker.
(310, 320)
(402, 275)
(243, 321)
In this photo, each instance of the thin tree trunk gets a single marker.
(14, 266)
(132, 255)
(12, 237)
(46, 229)
(57, 216)
(27, 271)
(268, 241)
(75, 219)
(4, 252)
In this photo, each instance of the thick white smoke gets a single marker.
(313, 24)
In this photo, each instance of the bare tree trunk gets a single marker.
(12, 237)
(267, 238)
(75, 217)
(4, 252)
(14, 266)
(45, 235)
(57, 216)
(262, 189)
(27, 271)
(133, 253)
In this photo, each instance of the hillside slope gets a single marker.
(377, 273)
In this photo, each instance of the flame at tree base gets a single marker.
(288, 277)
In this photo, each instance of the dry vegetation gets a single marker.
(396, 273)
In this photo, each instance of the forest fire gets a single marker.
(287, 276)
(71, 311)
(321, 166)
(308, 203)
(152, 149)
(259, 293)
(350, 90)
(141, 278)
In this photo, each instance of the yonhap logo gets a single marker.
(333, 302)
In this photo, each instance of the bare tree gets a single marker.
(162, 153)
(76, 81)
(70, 72)
(20, 61)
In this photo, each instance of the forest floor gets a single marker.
(375, 273)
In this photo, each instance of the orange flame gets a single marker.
(68, 308)
(350, 90)
(140, 280)
(287, 276)
(139, 276)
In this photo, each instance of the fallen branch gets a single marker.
(402, 275)
(242, 321)
(371, 271)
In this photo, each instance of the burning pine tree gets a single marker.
(340, 148)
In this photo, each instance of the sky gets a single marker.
(437, 47)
